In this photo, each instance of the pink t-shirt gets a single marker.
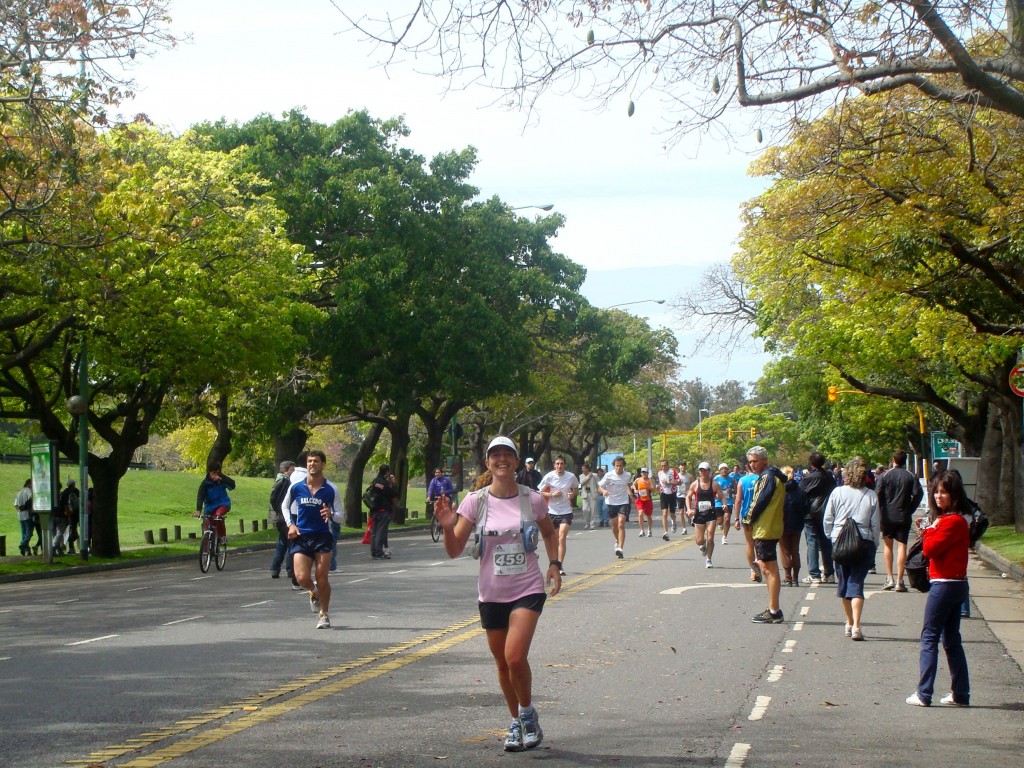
(507, 573)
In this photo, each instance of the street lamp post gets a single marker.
(544, 207)
(700, 422)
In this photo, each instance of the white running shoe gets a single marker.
(618, 552)
(725, 540)
(323, 622)
(707, 563)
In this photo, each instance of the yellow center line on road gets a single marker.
(302, 691)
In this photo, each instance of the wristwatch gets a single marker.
(556, 563)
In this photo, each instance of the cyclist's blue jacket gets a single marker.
(214, 493)
(301, 507)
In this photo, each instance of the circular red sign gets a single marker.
(1017, 380)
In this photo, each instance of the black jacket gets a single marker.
(818, 485)
(899, 494)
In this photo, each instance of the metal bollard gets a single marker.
(177, 533)
(162, 534)
(148, 536)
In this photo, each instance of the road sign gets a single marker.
(1017, 380)
(944, 446)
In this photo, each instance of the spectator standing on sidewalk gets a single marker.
(277, 493)
(945, 542)
(23, 506)
(588, 497)
(384, 493)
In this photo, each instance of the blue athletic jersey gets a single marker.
(727, 486)
(302, 507)
(746, 493)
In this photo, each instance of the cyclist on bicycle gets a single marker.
(213, 500)
(440, 485)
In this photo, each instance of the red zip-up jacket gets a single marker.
(945, 544)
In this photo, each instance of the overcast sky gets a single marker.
(643, 221)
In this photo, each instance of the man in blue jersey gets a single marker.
(745, 495)
(308, 508)
(726, 482)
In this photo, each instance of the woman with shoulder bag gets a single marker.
(945, 542)
(853, 501)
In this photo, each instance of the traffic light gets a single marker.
(730, 433)
(833, 394)
(753, 432)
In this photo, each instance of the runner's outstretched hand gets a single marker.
(444, 513)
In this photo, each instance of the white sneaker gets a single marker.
(950, 701)
(323, 622)
(664, 536)
(618, 552)
(642, 534)
(684, 530)
(707, 563)
(725, 540)
(915, 701)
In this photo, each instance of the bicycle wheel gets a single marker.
(205, 551)
(222, 552)
(435, 530)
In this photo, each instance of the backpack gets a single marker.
(978, 523)
(370, 498)
(527, 525)
(917, 566)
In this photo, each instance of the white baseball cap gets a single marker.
(530, 460)
(723, 465)
(502, 441)
(703, 465)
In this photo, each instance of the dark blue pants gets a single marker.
(379, 540)
(282, 552)
(819, 547)
(942, 621)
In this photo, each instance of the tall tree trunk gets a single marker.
(222, 443)
(399, 461)
(435, 424)
(289, 445)
(354, 484)
(105, 477)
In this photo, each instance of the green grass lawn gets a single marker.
(151, 500)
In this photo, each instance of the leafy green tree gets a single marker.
(889, 248)
(187, 278)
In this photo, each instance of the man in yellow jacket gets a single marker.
(766, 524)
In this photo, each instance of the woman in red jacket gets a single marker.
(945, 544)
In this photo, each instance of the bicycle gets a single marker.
(435, 527)
(213, 546)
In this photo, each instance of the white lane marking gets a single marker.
(805, 610)
(439, 562)
(63, 602)
(760, 707)
(737, 756)
(261, 602)
(680, 590)
(797, 626)
(249, 570)
(90, 640)
(356, 581)
(200, 578)
(137, 589)
(6, 610)
(789, 646)
(392, 573)
(775, 674)
(810, 596)
(182, 621)
(6, 658)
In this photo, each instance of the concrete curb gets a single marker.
(1000, 563)
(75, 570)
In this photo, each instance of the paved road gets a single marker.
(648, 661)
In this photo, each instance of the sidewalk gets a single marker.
(997, 589)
